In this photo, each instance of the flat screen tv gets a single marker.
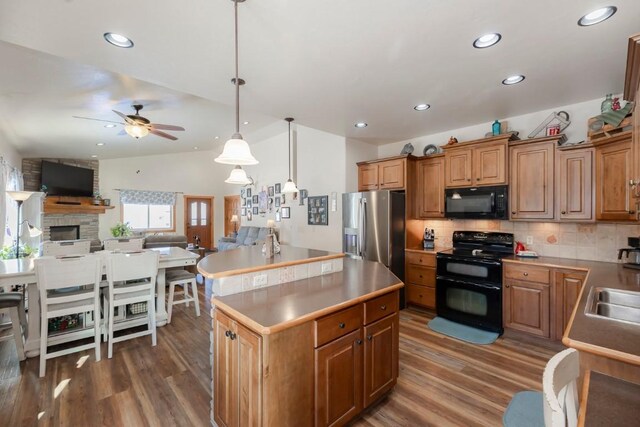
(65, 180)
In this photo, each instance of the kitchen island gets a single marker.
(314, 351)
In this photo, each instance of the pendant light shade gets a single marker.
(289, 186)
(238, 176)
(236, 150)
(136, 131)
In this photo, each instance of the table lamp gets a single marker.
(20, 197)
(234, 219)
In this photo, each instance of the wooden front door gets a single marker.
(231, 207)
(198, 220)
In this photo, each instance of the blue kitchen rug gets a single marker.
(462, 332)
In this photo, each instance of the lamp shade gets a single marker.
(20, 196)
(136, 131)
(238, 176)
(34, 231)
(234, 218)
(236, 152)
(271, 223)
(290, 187)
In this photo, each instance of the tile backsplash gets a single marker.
(588, 241)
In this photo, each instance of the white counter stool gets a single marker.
(132, 279)
(12, 303)
(132, 244)
(559, 386)
(82, 273)
(182, 278)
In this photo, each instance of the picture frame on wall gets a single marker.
(249, 204)
(243, 212)
(277, 188)
(278, 218)
(284, 199)
(277, 201)
(249, 192)
(263, 201)
(249, 215)
(255, 199)
(286, 212)
(255, 210)
(318, 210)
(244, 201)
(271, 191)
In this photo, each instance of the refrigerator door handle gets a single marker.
(364, 227)
(359, 242)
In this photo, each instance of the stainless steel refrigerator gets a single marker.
(373, 224)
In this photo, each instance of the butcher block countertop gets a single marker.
(598, 335)
(274, 308)
(247, 259)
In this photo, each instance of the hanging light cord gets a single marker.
(235, 2)
(289, 150)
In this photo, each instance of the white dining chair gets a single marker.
(83, 274)
(12, 304)
(65, 247)
(133, 244)
(184, 279)
(131, 279)
(559, 386)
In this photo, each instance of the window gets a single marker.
(149, 217)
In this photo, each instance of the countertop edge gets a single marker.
(263, 330)
(526, 260)
(246, 270)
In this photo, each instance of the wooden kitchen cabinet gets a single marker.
(431, 174)
(384, 174)
(237, 374)
(458, 168)
(575, 184)
(380, 358)
(614, 171)
(567, 290)
(531, 178)
(421, 278)
(490, 164)
(526, 307)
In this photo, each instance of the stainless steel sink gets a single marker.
(614, 304)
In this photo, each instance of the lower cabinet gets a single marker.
(421, 278)
(568, 285)
(380, 358)
(526, 307)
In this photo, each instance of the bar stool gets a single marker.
(182, 278)
(12, 303)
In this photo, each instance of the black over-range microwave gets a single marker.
(477, 203)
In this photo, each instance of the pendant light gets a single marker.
(289, 186)
(238, 176)
(236, 150)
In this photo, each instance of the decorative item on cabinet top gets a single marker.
(557, 121)
(407, 149)
(430, 150)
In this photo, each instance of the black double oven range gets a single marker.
(469, 279)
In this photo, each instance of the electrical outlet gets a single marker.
(260, 280)
(529, 240)
(326, 267)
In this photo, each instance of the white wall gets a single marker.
(357, 151)
(525, 124)
(10, 154)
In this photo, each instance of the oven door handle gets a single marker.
(466, 283)
(476, 261)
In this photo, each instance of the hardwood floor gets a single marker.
(442, 382)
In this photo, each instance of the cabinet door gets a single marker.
(225, 405)
(568, 286)
(368, 177)
(526, 307)
(490, 165)
(431, 188)
(391, 174)
(458, 168)
(424, 296)
(380, 358)
(339, 384)
(614, 170)
(531, 181)
(247, 372)
(575, 180)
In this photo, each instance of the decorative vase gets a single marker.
(495, 128)
(607, 104)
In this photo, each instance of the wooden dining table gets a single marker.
(22, 272)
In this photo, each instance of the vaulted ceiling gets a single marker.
(328, 63)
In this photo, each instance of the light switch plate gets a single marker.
(529, 240)
(260, 280)
(327, 267)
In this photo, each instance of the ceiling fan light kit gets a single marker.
(236, 150)
(136, 131)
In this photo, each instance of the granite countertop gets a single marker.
(247, 259)
(610, 401)
(598, 335)
(269, 310)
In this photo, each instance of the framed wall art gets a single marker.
(243, 212)
(286, 212)
(255, 210)
(277, 188)
(318, 210)
(248, 192)
(277, 201)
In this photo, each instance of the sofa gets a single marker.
(246, 236)
(164, 240)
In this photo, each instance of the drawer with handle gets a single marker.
(423, 296)
(527, 273)
(421, 275)
(426, 260)
(335, 325)
(380, 307)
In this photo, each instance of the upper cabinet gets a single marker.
(430, 172)
(574, 183)
(615, 178)
(477, 163)
(384, 174)
(531, 178)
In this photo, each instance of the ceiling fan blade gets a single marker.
(125, 118)
(97, 120)
(162, 134)
(166, 127)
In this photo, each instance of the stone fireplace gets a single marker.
(64, 232)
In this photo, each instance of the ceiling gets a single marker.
(327, 63)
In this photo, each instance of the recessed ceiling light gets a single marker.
(511, 80)
(486, 40)
(245, 123)
(597, 16)
(94, 156)
(422, 107)
(110, 125)
(217, 137)
(361, 125)
(195, 148)
(118, 40)
(100, 144)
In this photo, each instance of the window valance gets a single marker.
(143, 197)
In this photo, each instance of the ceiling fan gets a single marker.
(138, 126)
